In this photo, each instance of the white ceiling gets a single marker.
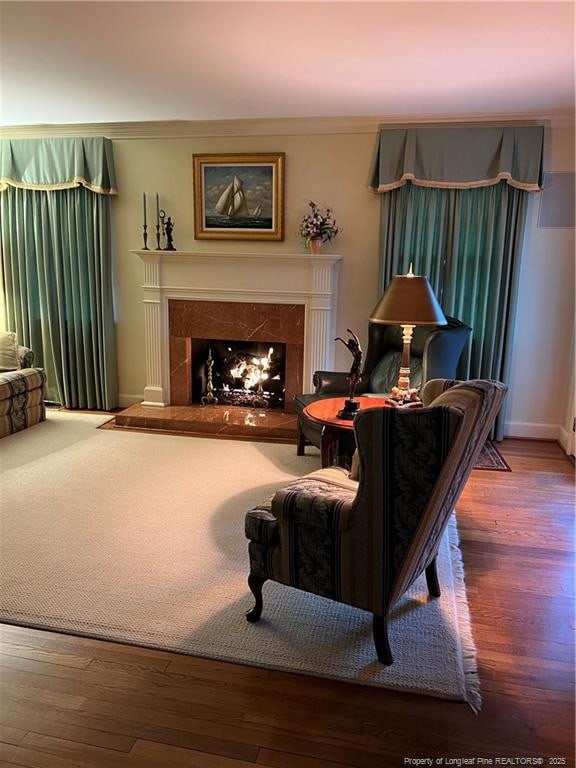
(82, 62)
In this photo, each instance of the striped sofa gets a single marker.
(22, 395)
(364, 540)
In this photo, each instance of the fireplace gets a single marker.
(190, 298)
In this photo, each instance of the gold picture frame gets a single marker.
(239, 197)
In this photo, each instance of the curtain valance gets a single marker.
(459, 157)
(58, 164)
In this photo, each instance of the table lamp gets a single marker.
(408, 301)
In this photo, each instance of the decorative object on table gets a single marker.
(351, 406)
(145, 226)
(239, 197)
(209, 397)
(408, 301)
(318, 227)
(167, 227)
(158, 247)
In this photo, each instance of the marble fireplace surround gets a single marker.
(237, 321)
(262, 296)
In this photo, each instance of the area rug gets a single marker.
(491, 459)
(138, 538)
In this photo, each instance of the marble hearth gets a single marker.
(290, 298)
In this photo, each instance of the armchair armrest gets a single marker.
(314, 503)
(336, 383)
(25, 357)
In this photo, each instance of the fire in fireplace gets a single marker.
(243, 373)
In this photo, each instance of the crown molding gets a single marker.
(290, 126)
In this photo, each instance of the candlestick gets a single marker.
(158, 222)
(144, 199)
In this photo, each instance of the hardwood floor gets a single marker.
(71, 702)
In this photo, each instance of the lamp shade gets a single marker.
(408, 300)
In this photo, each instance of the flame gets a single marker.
(254, 372)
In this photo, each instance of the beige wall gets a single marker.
(329, 169)
(330, 165)
(540, 384)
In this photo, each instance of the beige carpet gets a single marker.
(139, 538)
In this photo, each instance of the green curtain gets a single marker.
(57, 274)
(468, 243)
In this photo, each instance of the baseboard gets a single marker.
(566, 440)
(125, 400)
(532, 429)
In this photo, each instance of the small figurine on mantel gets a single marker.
(351, 406)
(168, 227)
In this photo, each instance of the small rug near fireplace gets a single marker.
(138, 538)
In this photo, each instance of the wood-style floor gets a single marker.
(77, 703)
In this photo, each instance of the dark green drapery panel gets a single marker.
(468, 243)
(458, 157)
(57, 272)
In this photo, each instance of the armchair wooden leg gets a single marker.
(301, 446)
(255, 583)
(380, 632)
(432, 580)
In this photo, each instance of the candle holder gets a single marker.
(145, 225)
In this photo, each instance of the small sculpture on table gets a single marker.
(352, 406)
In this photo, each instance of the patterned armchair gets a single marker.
(318, 533)
(22, 392)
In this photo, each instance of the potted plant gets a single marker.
(318, 226)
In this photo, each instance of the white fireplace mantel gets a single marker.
(278, 278)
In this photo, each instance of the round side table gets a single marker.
(336, 431)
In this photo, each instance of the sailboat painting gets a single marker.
(239, 197)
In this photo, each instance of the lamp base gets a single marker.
(401, 395)
(351, 408)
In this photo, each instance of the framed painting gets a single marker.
(239, 197)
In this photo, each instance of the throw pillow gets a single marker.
(8, 351)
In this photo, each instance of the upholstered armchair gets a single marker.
(22, 387)
(434, 354)
(318, 534)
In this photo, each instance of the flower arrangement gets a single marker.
(318, 225)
